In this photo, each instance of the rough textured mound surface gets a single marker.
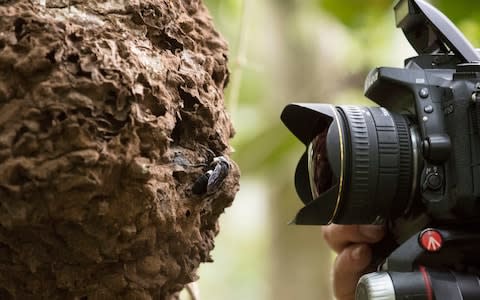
(105, 106)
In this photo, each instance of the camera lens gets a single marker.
(319, 170)
(359, 166)
(377, 164)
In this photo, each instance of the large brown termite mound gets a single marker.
(109, 112)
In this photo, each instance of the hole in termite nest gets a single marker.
(19, 28)
(51, 56)
(73, 58)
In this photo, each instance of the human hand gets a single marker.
(351, 243)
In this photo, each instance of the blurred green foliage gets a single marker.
(459, 10)
(355, 13)
(296, 50)
(358, 14)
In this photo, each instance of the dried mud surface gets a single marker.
(104, 108)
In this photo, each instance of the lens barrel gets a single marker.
(380, 160)
(358, 167)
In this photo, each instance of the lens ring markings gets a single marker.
(378, 165)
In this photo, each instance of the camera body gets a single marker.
(412, 164)
(439, 94)
(439, 89)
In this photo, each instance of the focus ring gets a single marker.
(405, 167)
(360, 146)
(361, 167)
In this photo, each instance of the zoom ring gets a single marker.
(359, 166)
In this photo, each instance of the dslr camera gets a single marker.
(412, 163)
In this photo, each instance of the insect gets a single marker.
(218, 174)
(211, 181)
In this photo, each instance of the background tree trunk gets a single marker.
(105, 106)
(301, 260)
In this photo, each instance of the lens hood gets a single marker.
(306, 121)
